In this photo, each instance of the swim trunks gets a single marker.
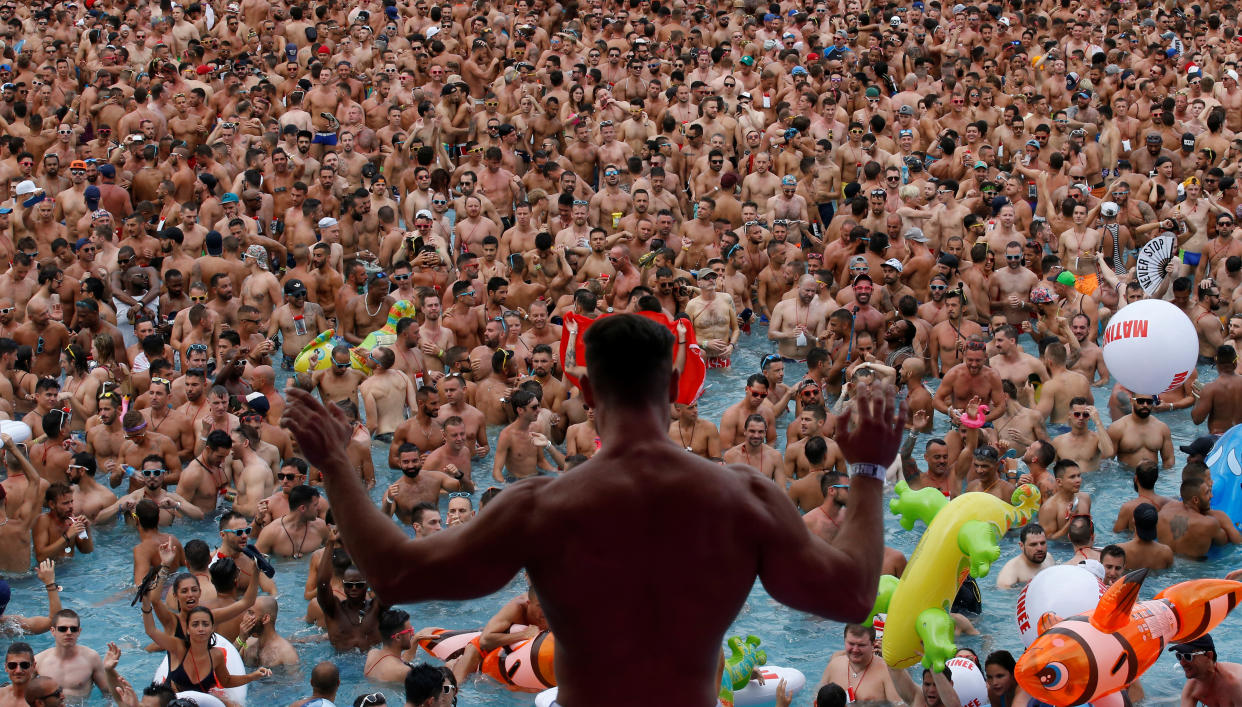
(286, 361)
(721, 362)
(1189, 258)
(385, 437)
(1087, 284)
(329, 139)
(1058, 429)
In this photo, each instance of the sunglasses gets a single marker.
(341, 364)
(375, 698)
(67, 629)
(286, 477)
(401, 278)
(354, 585)
(1189, 656)
(147, 472)
(19, 665)
(1013, 258)
(758, 396)
(459, 494)
(1081, 415)
(200, 298)
(238, 531)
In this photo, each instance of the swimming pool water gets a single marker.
(97, 586)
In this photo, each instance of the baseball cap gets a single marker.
(745, 94)
(873, 92)
(1201, 446)
(91, 193)
(258, 402)
(214, 243)
(293, 286)
(6, 210)
(229, 198)
(26, 187)
(423, 213)
(858, 260)
(1153, 138)
(905, 110)
(748, 60)
(1109, 208)
(916, 234)
(1202, 643)
(789, 181)
(5, 594)
(981, 165)
(1066, 278)
(799, 71)
(894, 264)
(202, 69)
(1145, 518)
(707, 274)
(107, 170)
(948, 260)
(327, 222)
(77, 164)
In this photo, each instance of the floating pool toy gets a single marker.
(757, 695)
(1092, 657)
(1065, 590)
(525, 666)
(744, 656)
(961, 538)
(17, 430)
(968, 682)
(447, 645)
(202, 699)
(387, 334)
(1225, 463)
(232, 660)
(1150, 347)
(694, 371)
(317, 354)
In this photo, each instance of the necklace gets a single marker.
(368, 307)
(681, 433)
(297, 549)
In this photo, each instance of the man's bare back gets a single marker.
(556, 528)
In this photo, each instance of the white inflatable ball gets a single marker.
(1150, 347)
(1065, 590)
(968, 682)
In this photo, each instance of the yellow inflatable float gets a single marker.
(317, 354)
(962, 537)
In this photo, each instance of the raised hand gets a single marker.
(321, 432)
(870, 432)
(112, 657)
(46, 571)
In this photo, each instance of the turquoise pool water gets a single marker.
(96, 586)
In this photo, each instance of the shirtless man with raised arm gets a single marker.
(637, 470)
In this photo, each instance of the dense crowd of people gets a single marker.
(908, 194)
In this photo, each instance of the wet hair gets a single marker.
(629, 359)
(391, 621)
(422, 683)
(1031, 529)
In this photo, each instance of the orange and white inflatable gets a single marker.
(447, 645)
(525, 666)
(694, 371)
(1092, 657)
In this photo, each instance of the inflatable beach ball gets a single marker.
(1150, 347)
(968, 682)
(1065, 590)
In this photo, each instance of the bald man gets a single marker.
(264, 646)
(45, 336)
